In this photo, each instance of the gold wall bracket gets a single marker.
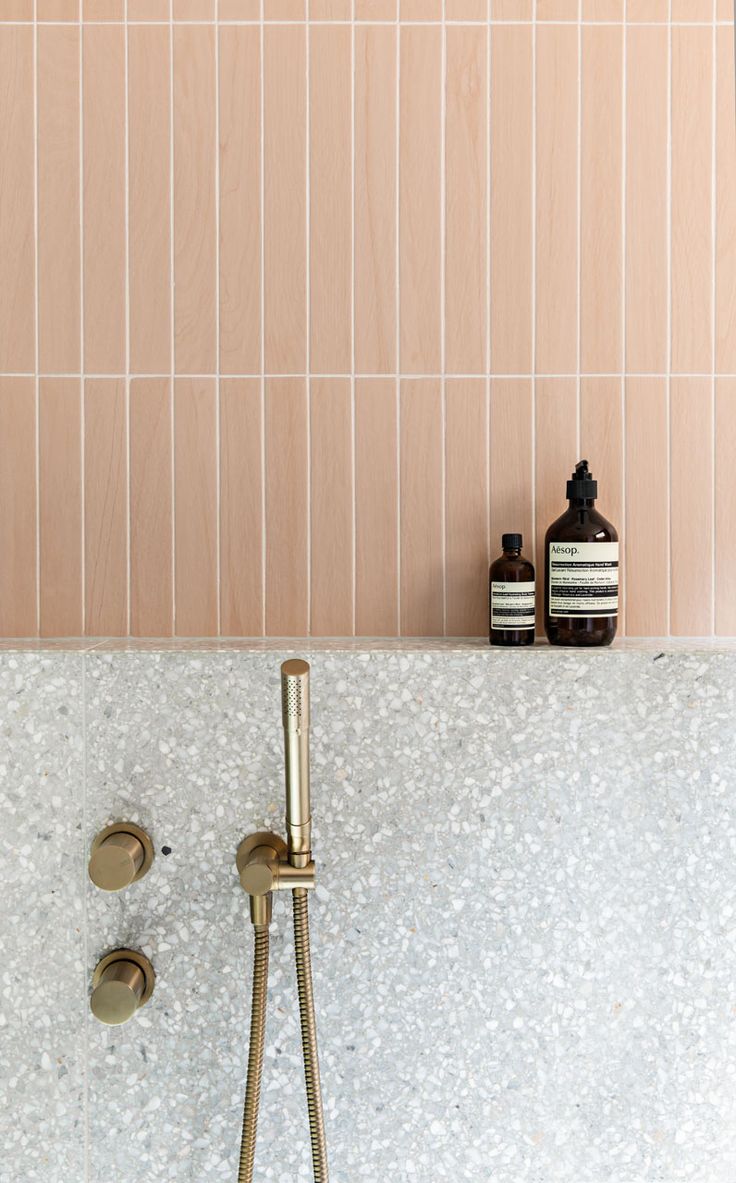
(121, 854)
(121, 983)
(263, 866)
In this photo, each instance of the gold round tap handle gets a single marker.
(120, 854)
(122, 982)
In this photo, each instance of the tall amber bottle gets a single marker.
(581, 569)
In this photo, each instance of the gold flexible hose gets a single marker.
(255, 1055)
(309, 1035)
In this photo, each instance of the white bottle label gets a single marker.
(583, 578)
(512, 604)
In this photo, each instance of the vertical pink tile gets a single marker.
(287, 508)
(601, 263)
(647, 10)
(195, 507)
(103, 10)
(692, 10)
(647, 528)
(512, 10)
(193, 10)
(376, 508)
(285, 168)
(422, 550)
(556, 214)
(148, 10)
(241, 508)
(331, 497)
(238, 10)
(725, 497)
(556, 456)
(240, 200)
(691, 493)
(375, 199)
(58, 10)
(18, 499)
(466, 246)
(330, 209)
(724, 10)
(375, 10)
(330, 10)
(646, 199)
(58, 199)
(60, 507)
(151, 576)
(420, 10)
(16, 10)
(603, 10)
(17, 251)
(194, 200)
(512, 462)
(419, 201)
(692, 243)
(511, 200)
(105, 508)
(466, 10)
(104, 199)
(725, 205)
(284, 10)
(466, 507)
(601, 442)
(149, 199)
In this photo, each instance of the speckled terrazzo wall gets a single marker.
(524, 934)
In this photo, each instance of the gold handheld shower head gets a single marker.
(295, 716)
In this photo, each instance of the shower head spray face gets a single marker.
(295, 718)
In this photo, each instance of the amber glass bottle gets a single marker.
(511, 595)
(581, 569)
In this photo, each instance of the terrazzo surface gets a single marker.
(524, 933)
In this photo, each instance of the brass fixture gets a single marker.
(265, 864)
(121, 854)
(121, 983)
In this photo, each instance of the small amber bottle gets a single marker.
(511, 595)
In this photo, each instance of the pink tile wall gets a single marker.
(303, 302)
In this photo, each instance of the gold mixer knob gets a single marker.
(121, 854)
(122, 982)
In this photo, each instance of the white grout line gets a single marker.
(412, 24)
(714, 230)
(218, 459)
(308, 298)
(353, 494)
(37, 393)
(82, 359)
(135, 376)
(172, 327)
(262, 216)
(443, 309)
(127, 326)
(669, 321)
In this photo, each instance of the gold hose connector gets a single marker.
(255, 1055)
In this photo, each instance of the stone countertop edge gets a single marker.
(474, 645)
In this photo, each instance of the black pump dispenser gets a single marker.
(581, 595)
(581, 485)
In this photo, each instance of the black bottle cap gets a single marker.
(511, 541)
(582, 483)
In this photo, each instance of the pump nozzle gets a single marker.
(582, 485)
